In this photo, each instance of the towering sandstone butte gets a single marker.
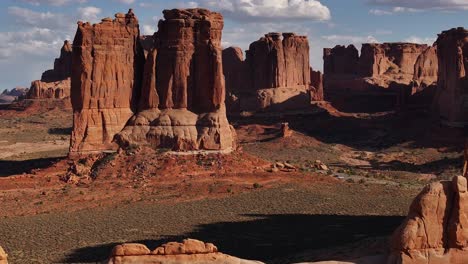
(182, 101)
(391, 72)
(106, 76)
(234, 73)
(274, 76)
(436, 229)
(54, 83)
(452, 93)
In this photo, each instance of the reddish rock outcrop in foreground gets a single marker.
(55, 83)
(189, 251)
(274, 76)
(105, 79)
(392, 74)
(436, 229)
(452, 92)
(174, 99)
(3, 256)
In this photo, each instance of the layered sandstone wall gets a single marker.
(189, 251)
(435, 231)
(274, 76)
(54, 83)
(452, 93)
(172, 99)
(395, 73)
(106, 76)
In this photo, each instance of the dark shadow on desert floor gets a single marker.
(369, 132)
(14, 167)
(270, 237)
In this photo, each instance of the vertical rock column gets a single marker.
(451, 100)
(106, 75)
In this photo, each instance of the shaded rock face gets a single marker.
(435, 231)
(106, 76)
(182, 103)
(174, 99)
(452, 93)
(394, 74)
(316, 89)
(274, 76)
(189, 251)
(62, 65)
(55, 83)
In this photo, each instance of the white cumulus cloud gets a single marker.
(89, 13)
(268, 9)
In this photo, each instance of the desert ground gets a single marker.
(335, 189)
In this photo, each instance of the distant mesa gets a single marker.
(172, 99)
(9, 96)
(54, 83)
(392, 75)
(275, 76)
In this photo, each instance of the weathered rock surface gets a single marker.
(106, 76)
(174, 99)
(49, 90)
(55, 83)
(189, 251)
(316, 89)
(274, 76)
(391, 72)
(3, 256)
(435, 231)
(452, 93)
(182, 101)
(62, 65)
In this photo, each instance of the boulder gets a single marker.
(189, 251)
(435, 231)
(451, 100)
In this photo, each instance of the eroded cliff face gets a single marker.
(452, 93)
(182, 101)
(106, 77)
(435, 231)
(274, 76)
(390, 73)
(55, 83)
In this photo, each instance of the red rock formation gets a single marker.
(55, 83)
(3, 256)
(189, 251)
(274, 76)
(62, 65)
(17, 93)
(147, 43)
(316, 90)
(389, 73)
(182, 102)
(49, 90)
(452, 93)
(341, 60)
(106, 76)
(435, 231)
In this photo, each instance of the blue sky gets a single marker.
(32, 31)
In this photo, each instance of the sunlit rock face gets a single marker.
(435, 231)
(390, 75)
(165, 90)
